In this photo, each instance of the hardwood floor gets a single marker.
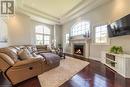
(95, 74)
(4, 82)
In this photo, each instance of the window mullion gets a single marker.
(101, 34)
(43, 38)
(80, 28)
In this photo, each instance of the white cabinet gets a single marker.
(118, 62)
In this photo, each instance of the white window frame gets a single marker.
(108, 40)
(43, 34)
(80, 28)
(67, 38)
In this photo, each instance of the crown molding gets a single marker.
(75, 7)
(83, 7)
(80, 6)
(88, 7)
(38, 11)
(35, 13)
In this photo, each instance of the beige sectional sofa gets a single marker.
(16, 70)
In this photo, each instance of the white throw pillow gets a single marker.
(24, 54)
(37, 56)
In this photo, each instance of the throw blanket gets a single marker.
(50, 57)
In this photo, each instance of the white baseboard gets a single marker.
(95, 58)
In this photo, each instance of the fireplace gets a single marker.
(79, 49)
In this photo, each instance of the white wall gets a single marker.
(21, 30)
(104, 14)
(3, 31)
(58, 34)
(3, 45)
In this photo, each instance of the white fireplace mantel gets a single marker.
(81, 41)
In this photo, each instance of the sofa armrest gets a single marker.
(24, 70)
(27, 62)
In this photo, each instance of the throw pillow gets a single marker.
(37, 56)
(24, 54)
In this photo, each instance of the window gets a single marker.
(46, 39)
(101, 35)
(39, 39)
(42, 35)
(80, 28)
(67, 38)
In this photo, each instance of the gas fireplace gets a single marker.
(79, 49)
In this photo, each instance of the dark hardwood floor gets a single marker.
(95, 74)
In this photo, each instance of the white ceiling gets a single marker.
(58, 11)
(56, 8)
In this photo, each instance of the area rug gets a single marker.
(57, 76)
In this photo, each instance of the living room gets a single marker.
(61, 31)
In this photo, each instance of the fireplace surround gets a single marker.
(78, 49)
(80, 42)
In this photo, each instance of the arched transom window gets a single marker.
(80, 28)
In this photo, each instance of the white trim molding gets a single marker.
(83, 7)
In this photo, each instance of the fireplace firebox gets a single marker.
(79, 49)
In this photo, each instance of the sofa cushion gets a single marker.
(18, 47)
(13, 49)
(38, 56)
(31, 48)
(10, 53)
(24, 54)
(34, 54)
(7, 59)
(34, 48)
(41, 47)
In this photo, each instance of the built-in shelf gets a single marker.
(118, 62)
(111, 60)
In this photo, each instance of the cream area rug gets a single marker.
(68, 67)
